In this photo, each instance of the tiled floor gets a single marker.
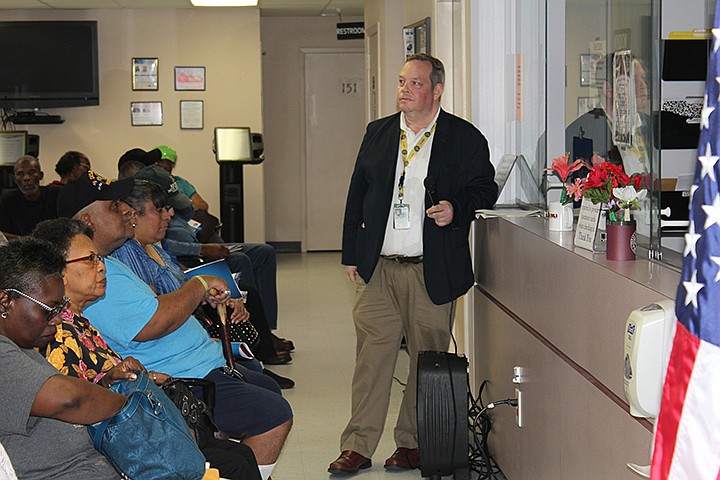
(315, 312)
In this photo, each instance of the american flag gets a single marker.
(687, 432)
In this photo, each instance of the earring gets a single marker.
(133, 225)
(4, 314)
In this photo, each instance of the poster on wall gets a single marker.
(189, 78)
(624, 108)
(144, 114)
(416, 38)
(144, 73)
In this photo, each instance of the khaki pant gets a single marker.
(393, 304)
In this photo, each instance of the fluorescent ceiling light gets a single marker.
(224, 3)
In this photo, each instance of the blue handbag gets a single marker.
(148, 438)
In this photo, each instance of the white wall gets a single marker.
(225, 41)
(283, 38)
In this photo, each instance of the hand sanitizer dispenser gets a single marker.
(649, 334)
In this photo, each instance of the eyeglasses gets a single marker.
(93, 257)
(52, 312)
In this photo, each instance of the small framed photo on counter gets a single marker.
(146, 114)
(191, 114)
(189, 78)
(144, 73)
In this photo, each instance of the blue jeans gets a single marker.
(258, 266)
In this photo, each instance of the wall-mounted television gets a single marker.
(48, 64)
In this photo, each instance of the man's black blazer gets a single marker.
(460, 163)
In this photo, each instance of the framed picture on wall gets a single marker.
(144, 73)
(416, 37)
(146, 114)
(191, 114)
(189, 78)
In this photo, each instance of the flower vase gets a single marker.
(621, 240)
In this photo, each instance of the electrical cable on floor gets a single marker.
(480, 424)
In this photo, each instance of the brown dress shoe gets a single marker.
(348, 463)
(281, 358)
(403, 459)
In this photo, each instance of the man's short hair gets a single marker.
(437, 75)
(129, 168)
(28, 158)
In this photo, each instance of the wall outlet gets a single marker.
(519, 408)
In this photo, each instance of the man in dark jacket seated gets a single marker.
(22, 209)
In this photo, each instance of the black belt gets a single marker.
(403, 258)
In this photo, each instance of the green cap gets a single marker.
(167, 153)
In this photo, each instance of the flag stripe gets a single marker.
(682, 360)
(698, 437)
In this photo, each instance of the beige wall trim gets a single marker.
(565, 358)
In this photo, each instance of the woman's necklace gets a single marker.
(153, 254)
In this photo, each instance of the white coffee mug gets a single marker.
(561, 217)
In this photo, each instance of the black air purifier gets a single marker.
(442, 415)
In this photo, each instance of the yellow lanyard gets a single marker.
(407, 158)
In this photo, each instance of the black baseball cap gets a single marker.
(88, 188)
(140, 155)
(176, 199)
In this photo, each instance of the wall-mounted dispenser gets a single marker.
(649, 333)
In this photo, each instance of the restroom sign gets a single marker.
(350, 31)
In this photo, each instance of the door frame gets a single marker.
(303, 136)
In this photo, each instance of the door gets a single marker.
(334, 127)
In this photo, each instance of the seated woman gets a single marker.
(77, 349)
(151, 263)
(41, 407)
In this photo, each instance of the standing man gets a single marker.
(406, 247)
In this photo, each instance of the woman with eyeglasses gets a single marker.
(151, 263)
(77, 349)
(41, 408)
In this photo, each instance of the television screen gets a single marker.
(48, 64)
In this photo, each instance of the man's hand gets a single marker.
(351, 272)
(214, 251)
(217, 292)
(442, 213)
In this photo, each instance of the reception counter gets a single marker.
(558, 312)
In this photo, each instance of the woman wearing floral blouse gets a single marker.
(78, 349)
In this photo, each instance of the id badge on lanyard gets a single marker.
(401, 211)
(401, 216)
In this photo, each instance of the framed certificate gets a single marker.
(191, 114)
(144, 73)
